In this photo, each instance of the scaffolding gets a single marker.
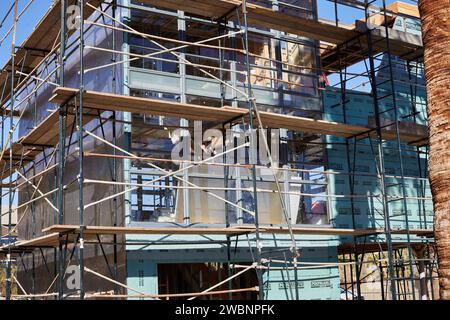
(80, 114)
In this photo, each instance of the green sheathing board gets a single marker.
(141, 275)
(369, 209)
(314, 284)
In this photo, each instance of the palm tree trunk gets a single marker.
(435, 15)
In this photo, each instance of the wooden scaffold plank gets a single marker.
(114, 102)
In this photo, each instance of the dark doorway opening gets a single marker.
(197, 277)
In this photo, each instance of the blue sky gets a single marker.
(26, 24)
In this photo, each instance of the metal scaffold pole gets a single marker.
(350, 168)
(62, 147)
(81, 151)
(11, 126)
(114, 161)
(400, 156)
(386, 211)
(252, 145)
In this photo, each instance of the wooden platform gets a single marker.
(106, 101)
(402, 44)
(46, 241)
(44, 135)
(105, 230)
(406, 128)
(237, 230)
(28, 147)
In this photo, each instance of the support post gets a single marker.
(255, 192)
(81, 151)
(400, 156)
(387, 224)
(114, 133)
(62, 146)
(11, 126)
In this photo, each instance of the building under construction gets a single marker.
(225, 149)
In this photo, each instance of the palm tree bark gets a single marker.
(435, 15)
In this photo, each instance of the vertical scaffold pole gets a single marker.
(61, 146)
(81, 150)
(222, 29)
(400, 155)
(114, 133)
(350, 169)
(11, 126)
(382, 177)
(255, 191)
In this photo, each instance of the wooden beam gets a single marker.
(402, 44)
(317, 231)
(238, 230)
(51, 239)
(164, 296)
(106, 230)
(403, 8)
(313, 230)
(417, 232)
